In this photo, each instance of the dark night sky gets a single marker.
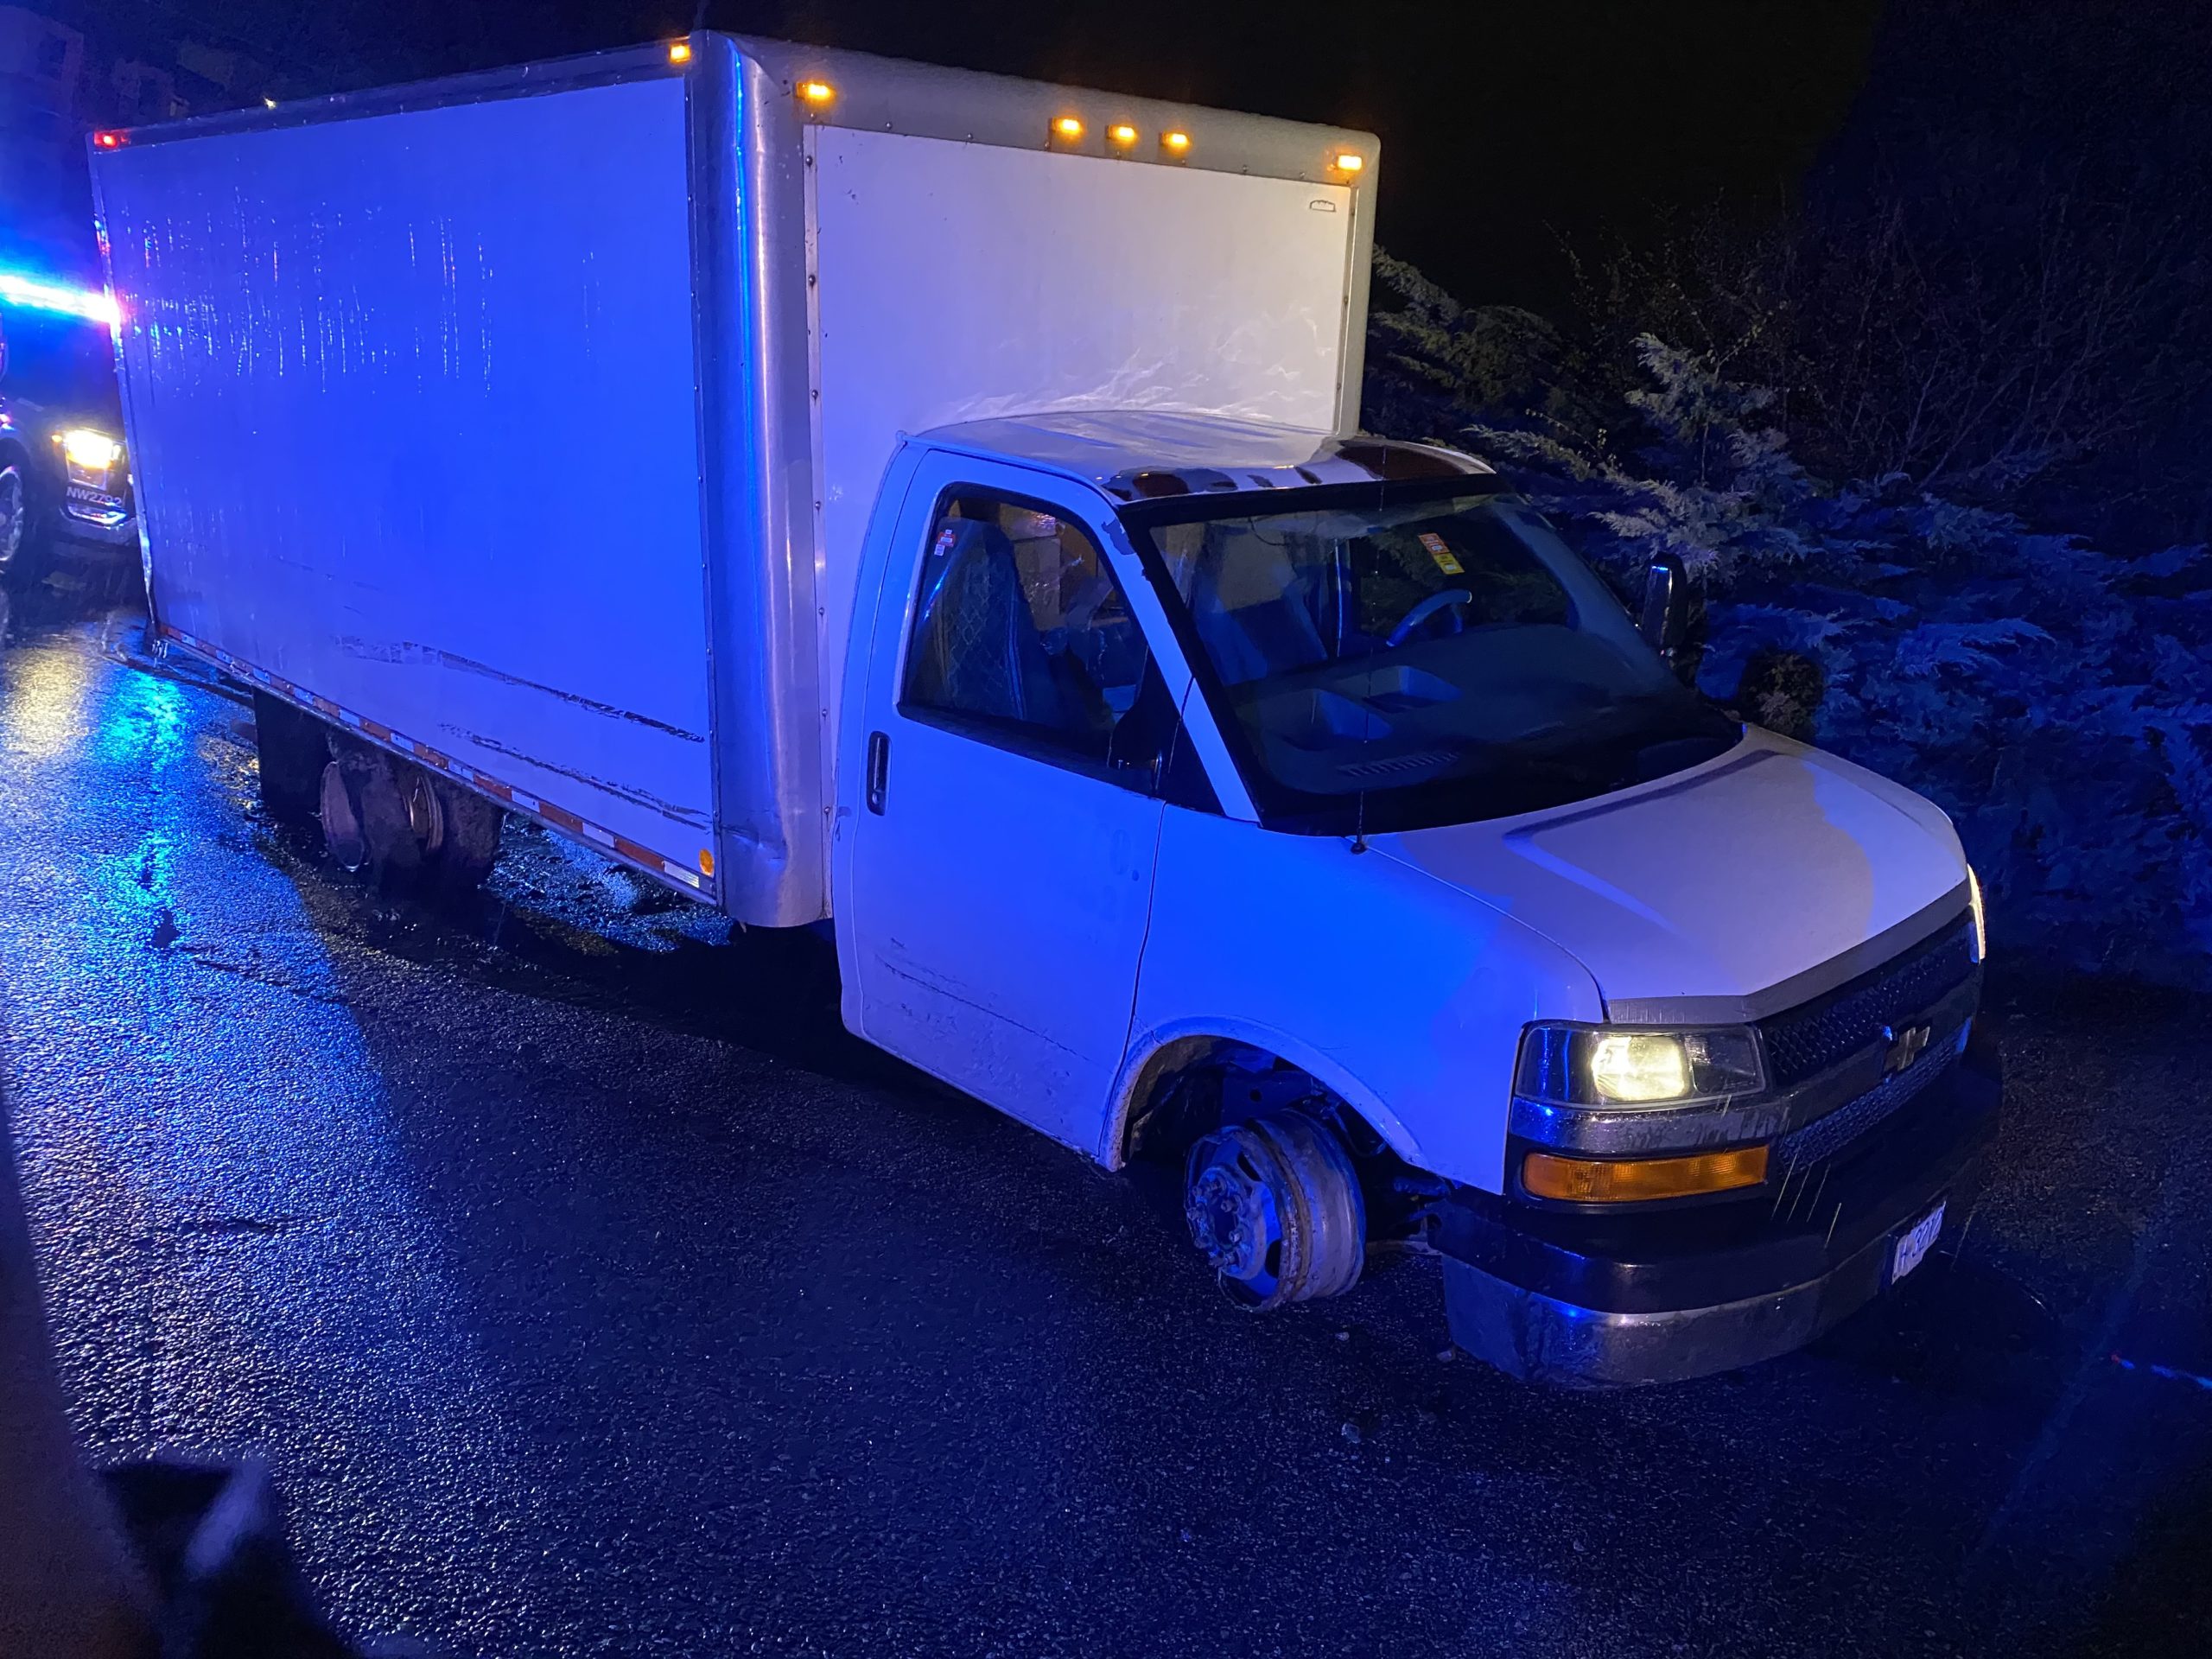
(1504, 122)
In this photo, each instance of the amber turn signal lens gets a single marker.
(1630, 1180)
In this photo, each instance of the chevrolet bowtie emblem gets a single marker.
(1907, 1043)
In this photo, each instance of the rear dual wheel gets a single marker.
(410, 830)
(457, 831)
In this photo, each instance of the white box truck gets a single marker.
(931, 505)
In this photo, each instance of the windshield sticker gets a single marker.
(1446, 560)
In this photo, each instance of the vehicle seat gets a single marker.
(976, 649)
(1248, 604)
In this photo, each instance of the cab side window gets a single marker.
(1022, 635)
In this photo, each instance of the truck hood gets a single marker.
(1721, 893)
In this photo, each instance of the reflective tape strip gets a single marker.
(547, 812)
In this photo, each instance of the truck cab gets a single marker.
(1301, 814)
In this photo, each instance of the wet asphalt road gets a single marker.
(589, 1298)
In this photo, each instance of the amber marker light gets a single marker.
(1634, 1180)
(680, 51)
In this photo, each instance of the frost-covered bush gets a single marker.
(2055, 700)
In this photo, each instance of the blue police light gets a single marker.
(36, 293)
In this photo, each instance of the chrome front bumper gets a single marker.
(1602, 1301)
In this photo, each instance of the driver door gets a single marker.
(1001, 866)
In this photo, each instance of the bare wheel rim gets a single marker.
(426, 814)
(1274, 1204)
(341, 821)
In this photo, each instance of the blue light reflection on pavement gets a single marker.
(273, 1283)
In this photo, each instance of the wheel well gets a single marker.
(1195, 1084)
(1166, 1113)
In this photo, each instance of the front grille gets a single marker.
(1826, 1135)
(1807, 1040)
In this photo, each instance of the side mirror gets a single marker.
(1666, 622)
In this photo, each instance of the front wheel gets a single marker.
(20, 541)
(1274, 1206)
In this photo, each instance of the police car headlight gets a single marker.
(88, 448)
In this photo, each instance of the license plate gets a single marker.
(1917, 1241)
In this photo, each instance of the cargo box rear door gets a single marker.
(412, 409)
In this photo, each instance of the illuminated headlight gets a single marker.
(1600, 1065)
(94, 451)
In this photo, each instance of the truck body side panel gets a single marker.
(414, 410)
(957, 282)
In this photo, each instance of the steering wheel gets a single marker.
(1427, 608)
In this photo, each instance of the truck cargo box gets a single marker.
(530, 423)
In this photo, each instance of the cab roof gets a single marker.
(1138, 454)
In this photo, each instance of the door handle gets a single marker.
(879, 769)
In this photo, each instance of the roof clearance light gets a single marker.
(1122, 133)
(817, 91)
(1067, 127)
(1175, 144)
(1351, 161)
(109, 140)
(679, 52)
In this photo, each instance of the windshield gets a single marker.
(1394, 656)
